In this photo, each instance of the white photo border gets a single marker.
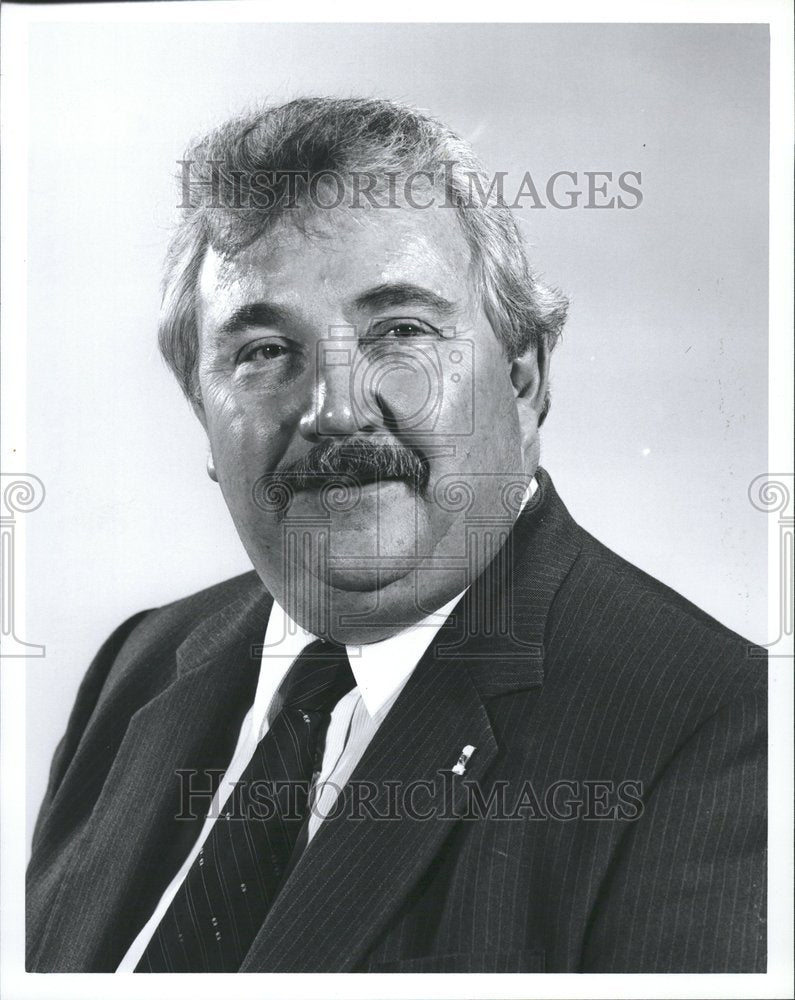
(15, 983)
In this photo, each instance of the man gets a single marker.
(440, 728)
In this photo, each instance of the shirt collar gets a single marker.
(382, 668)
(379, 668)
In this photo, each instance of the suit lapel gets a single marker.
(359, 868)
(138, 833)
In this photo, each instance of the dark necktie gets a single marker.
(219, 908)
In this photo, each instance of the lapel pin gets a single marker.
(463, 760)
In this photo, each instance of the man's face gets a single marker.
(365, 428)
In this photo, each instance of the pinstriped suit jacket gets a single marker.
(627, 725)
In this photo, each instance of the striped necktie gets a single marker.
(220, 906)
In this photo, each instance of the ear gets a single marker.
(198, 409)
(530, 380)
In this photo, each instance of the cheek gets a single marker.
(481, 403)
(239, 411)
(226, 424)
(246, 439)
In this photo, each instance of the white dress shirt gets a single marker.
(381, 670)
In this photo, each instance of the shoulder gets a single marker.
(142, 651)
(135, 663)
(172, 623)
(634, 673)
(638, 597)
(642, 651)
(598, 563)
(600, 595)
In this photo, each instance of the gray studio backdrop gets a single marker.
(659, 418)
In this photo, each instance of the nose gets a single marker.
(332, 411)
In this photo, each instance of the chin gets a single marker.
(365, 559)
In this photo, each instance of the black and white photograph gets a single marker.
(397, 502)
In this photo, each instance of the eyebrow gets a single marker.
(253, 314)
(389, 296)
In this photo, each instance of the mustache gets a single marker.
(347, 463)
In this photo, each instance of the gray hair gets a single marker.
(335, 136)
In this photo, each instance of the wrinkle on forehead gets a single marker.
(426, 243)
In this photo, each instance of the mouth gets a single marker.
(344, 494)
(359, 481)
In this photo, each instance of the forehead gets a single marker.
(338, 253)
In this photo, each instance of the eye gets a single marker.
(267, 352)
(403, 328)
(406, 330)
